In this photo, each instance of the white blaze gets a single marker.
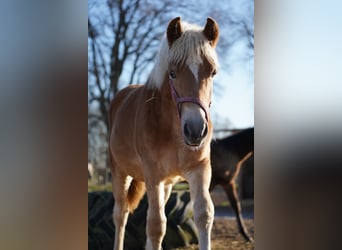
(194, 69)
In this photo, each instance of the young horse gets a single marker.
(161, 131)
(227, 157)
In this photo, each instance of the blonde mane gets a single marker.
(188, 49)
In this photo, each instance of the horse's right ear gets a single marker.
(211, 31)
(174, 30)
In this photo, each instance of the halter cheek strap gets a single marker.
(180, 100)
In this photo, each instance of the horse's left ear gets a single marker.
(211, 31)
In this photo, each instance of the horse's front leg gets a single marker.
(120, 184)
(156, 219)
(199, 180)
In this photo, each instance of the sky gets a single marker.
(236, 101)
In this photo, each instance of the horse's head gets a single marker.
(192, 66)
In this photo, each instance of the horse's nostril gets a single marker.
(204, 131)
(186, 130)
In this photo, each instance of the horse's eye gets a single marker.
(172, 75)
(213, 73)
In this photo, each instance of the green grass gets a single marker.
(181, 186)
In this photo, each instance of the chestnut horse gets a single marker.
(160, 133)
(227, 157)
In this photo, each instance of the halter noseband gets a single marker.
(179, 100)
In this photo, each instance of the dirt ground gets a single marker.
(225, 235)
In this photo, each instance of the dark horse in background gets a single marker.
(227, 157)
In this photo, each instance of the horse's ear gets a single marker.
(211, 31)
(174, 30)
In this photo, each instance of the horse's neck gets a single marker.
(245, 144)
(239, 145)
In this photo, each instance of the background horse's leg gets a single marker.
(156, 219)
(199, 181)
(120, 212)
(230, 189)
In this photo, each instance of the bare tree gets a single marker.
(121, 31)
(123, 37)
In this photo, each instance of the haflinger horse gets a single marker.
(160, 133)
(227, 157)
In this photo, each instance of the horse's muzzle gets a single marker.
(194, 133)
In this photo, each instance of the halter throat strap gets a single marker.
(179, 100)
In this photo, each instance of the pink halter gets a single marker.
(180, 100)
